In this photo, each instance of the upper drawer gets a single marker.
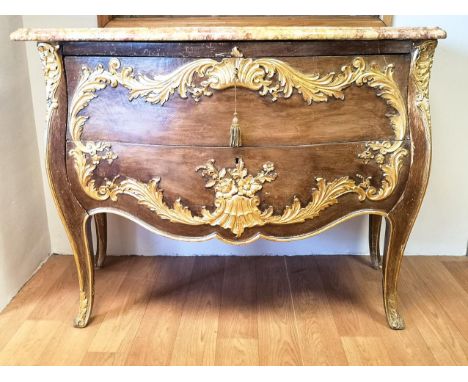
(280, 100)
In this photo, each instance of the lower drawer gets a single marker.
(238, 192)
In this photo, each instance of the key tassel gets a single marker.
(235, 140)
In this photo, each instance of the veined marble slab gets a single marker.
(227, 33)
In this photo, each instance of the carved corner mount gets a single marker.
(421, 65)
(52, 68)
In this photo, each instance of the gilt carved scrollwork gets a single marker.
(52, 70)
(236, 203)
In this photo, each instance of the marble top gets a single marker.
(165, 33)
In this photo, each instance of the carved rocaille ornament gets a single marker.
(236, 203)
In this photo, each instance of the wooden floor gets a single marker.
(315, 310)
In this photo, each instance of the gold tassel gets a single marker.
(236, 140)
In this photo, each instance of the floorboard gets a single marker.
(298, 310)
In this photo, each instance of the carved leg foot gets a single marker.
(100, 221)
(86, 301)
(80, 238)
(375, 223)
(394, 318)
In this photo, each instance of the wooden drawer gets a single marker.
(344, 107)
(176, 201)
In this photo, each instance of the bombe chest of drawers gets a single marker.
(237, 133)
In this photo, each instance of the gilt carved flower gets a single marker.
(236, 181)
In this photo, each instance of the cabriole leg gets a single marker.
(401, 218)
(74, 217)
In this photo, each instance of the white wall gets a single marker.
(24, 236)
(442, 227)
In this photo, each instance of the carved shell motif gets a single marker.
(236, 203)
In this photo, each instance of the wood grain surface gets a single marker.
(225, 20)
(302, 310)
(220, 49)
